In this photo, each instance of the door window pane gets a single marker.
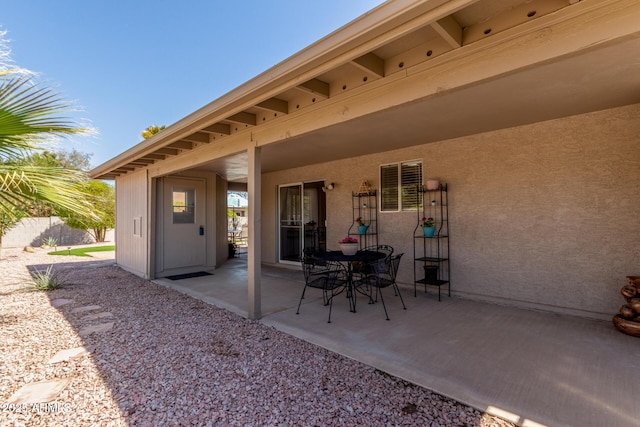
(183, 205)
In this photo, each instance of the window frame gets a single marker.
(400, 202)
(188, 213)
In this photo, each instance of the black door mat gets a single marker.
(189, 275)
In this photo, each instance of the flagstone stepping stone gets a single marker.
(102, 327)
(41, 391)
(60, 302)
(86, 308)
(70, 353)
(97, 316)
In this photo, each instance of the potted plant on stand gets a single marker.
(362, 227)
(349, 245)
(428, 226)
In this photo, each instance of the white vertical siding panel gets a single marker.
(132, 248)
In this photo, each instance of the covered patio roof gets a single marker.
(407, 73)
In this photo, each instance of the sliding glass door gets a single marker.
(301, 219)
(290, 203)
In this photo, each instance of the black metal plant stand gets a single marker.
(364, 205)
(431, 254)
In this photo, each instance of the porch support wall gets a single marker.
(254, 252)
(221, 225)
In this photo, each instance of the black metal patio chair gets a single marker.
(364, 269)
(330, 278)
(385, 273)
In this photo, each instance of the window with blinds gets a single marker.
(389, 179)
(399, 186)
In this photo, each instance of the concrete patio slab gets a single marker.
(228, 288)
(533, 368)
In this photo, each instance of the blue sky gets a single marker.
(130, 64)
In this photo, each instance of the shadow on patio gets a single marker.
(526, 366)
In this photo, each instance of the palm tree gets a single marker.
(30, 116)
(152, 130)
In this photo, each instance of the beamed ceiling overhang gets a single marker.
(363, 84)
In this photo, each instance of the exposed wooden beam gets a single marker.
(198, 137)
(226, 147)
(243, 118)
(142, 162)
(166, 150)
(315, 86)
(218, 128)
(530, 10)
(182, 145)
(275, 105)
(449, 29)
(371, 63)
(544, 41)
(153, 157)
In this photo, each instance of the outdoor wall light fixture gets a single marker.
(329, 187)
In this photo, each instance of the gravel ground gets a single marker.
(171, 360)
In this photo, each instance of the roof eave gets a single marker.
(288, 72)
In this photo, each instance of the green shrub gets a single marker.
(47, 280)
(51, 242)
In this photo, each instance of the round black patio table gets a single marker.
(360, 256)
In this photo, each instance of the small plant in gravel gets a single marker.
(50, 242)
(47, 280)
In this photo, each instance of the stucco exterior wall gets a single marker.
(132, 199)
(542, 216)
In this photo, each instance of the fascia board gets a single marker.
(388, 21)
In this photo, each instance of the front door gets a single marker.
(184, 238)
